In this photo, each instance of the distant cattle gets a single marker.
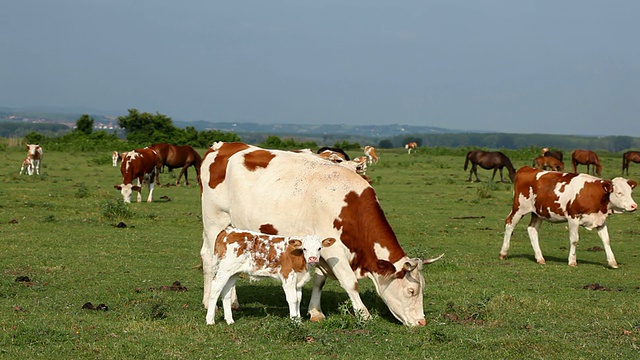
(586, 157)
(140, 164)
(173, 156)
(361, 164)
(548, 163)
(411, 146)
(629, 156)
(578, 199)
(488, 160)
(34, 156)
(27, 166)
(370, 152)
(296, 194)
(337, 150)
(553, 153)
(287, 259)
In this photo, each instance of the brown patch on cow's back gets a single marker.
(257, 158)
(218, 168)
(268, 229)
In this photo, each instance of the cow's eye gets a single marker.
(411, 291)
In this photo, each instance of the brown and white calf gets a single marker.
(140, 164)
(302, 194)
(287, 259)
(34, 154)
(370, 153)
(578, 199)
(27, 166)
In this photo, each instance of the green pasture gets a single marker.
(59, 230)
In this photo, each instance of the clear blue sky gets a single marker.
(558, 67)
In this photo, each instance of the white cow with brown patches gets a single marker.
(27, 166)
(34, 156)
(291, 194)
(287, 259)
(140, 164)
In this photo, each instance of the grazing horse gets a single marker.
(173, 156)
(586, 157)
(488, 160)
(548, 163)
(555, 153)
(411, 146)
(628, 157)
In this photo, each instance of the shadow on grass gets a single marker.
(555, 259)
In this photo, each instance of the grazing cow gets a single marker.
(578, 199)
(141, 164)
(411, 146)
(173, 156)
(286, 193)
(34, 153)
(115, 157)
(361, 164)
(586, 157)
(548, 163)
(27, 166)
(370, 152)
(488, 160)
(343, 154)
(628, 157)
(554, 153)
(262, 256)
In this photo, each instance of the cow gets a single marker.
(295, 194)
(586, 157)
(548, 163)
(411, 146)
(370, 152)
(34, 153)
(553, 153)
(578, 199)
(361, 164)
(141, 164)
(287, 259)
(173, 156)
(27, 166)
(337, 150)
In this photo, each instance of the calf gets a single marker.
(34, 153)
(411, 146)
(578, 199)
(262, 256)
(138, 164)
(548, 163)
(27, 167)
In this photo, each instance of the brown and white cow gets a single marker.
(370, 152)
(117, 156)
(140, 164)
(287, 259)
(578, 199)
(34, 154)
(411, 146)
(27, 166)
(296, 194)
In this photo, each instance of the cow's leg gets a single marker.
(217, 288)
(214, 222)
(151, 185)
(574, 226)
(510, 224)
(315, 312)
(343, 272)
(290, 292)
(604, 235)
(533, 229)
(226, 298)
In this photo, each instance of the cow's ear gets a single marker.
(385, 267)
(118, 187)
(607, 186)
(136, 188)
(328, 242)
(410, 265)
(295, 243)
(632, 183)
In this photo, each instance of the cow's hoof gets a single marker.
(542, 262)
(503, 256)
(613, 266)
(316, 316)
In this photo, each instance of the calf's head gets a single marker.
(309, 247)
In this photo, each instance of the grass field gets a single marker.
(59, 230)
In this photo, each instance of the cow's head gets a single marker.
(402, 290)
(126, 190)
(620, 199)
(310, 246)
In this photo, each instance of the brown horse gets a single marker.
(586, 157)
(548, 163)
(628, 157)
(173, 156)
(488, 160)
(555, 153)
